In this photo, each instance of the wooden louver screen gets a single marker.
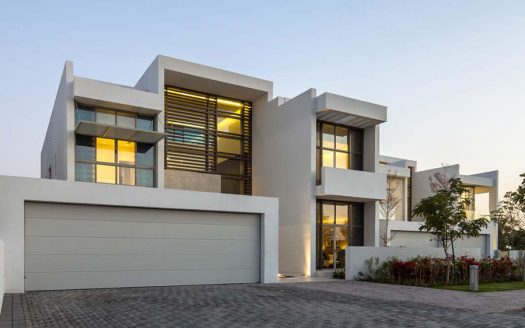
(191, 120)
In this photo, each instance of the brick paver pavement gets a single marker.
(482, 302)
(253, 305)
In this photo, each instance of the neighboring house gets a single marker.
(412, 185)
(195, 175)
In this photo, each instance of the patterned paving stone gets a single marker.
(279, 305)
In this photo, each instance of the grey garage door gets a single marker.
(85, 246)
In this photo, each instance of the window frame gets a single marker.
(350, 152)
(116, 163)
(203, 111)
(115, 112)
(352, 209)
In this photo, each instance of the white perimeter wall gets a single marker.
(284, 167)
(15, 191)
(356, 257)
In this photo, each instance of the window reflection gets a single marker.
(333, 236)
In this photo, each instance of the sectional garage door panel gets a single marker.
(86, 246)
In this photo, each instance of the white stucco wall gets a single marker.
(54, 150)
(356, 257)
(18, 190)
(284, 167)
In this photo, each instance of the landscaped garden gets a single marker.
(433, 272)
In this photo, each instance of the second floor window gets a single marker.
(114, 161)
(339, 147)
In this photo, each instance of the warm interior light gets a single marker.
(185, 124)
(229, 102)
(181, 93)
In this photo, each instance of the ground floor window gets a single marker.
(339, 224)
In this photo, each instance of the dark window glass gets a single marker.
(356, 139)
(145, 123)
(230, 186)
(85, 172)
(357, 237)
(187, 135)
(144, 178)
(84, 114)
(145, 155)
(356, 161)
(85, 148)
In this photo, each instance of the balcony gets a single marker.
(351, 185)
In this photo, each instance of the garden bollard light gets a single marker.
(474, 278)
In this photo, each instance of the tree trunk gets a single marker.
(453, 261)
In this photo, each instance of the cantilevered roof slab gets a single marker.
(348, 111)
(94, 129)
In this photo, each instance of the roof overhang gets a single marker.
(348, 111)
(117, 132)
(187, 75)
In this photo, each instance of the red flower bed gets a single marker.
(424, 271)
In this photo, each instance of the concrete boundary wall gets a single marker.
(357, 256)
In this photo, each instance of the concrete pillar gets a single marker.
(474, 278)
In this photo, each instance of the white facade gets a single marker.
(295, 171)
(403, 230)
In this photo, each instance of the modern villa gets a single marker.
(198, 175)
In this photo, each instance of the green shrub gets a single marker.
(339, 274)
(428, 271)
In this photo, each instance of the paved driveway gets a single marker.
(324, 304)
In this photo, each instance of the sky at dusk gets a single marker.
(452, 73)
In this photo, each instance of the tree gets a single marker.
(518, 196)
(388, 208)
(445, 217)
(510, 216)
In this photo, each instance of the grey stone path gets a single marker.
(482, 302)
(279, 305)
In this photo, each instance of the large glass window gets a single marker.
(113, 161)
(209, 134)
(338, 146)
(112, 117)
(338, 226)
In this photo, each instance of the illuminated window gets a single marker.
(113, 161)
(209, 134)
(339, 147)
(126, 152)
(338, 225)
(106, 173)
(105, 150)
